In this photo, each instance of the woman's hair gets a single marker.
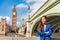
(40, 24)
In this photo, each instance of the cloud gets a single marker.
(8, 19)
(22, 18)
(21, 6)
(33, 7)
(18, 24)
(28, 1)
(36, 5)
(21, 21)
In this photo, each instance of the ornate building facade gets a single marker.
(3, 26)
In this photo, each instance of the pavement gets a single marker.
(22, 38)
(18, 38)
(54, 37)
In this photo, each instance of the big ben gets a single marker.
(14, 17)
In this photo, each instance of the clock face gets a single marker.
(14, 13)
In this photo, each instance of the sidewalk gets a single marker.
(23, 38)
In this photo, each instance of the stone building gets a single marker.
(3, 26)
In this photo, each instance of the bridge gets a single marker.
(52, 11)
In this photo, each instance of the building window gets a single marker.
(2, 28)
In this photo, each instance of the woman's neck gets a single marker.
(44, 25)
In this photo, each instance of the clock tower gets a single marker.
(14, 17)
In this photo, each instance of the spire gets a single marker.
(28, 11)
(28, 8)
(14, 8)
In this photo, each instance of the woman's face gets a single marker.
(43, 20)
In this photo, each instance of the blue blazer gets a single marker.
(42, 34)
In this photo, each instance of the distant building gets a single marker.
(3, 26)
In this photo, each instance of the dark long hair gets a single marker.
(40, 24)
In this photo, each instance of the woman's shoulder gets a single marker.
(48, 24)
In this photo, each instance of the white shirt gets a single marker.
(45, 28)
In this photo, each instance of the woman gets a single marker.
(44, 29)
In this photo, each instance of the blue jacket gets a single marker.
(42, 34)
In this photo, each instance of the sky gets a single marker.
(6, 7)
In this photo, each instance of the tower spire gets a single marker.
(14, 8)
(28, 11)
(28, 8)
